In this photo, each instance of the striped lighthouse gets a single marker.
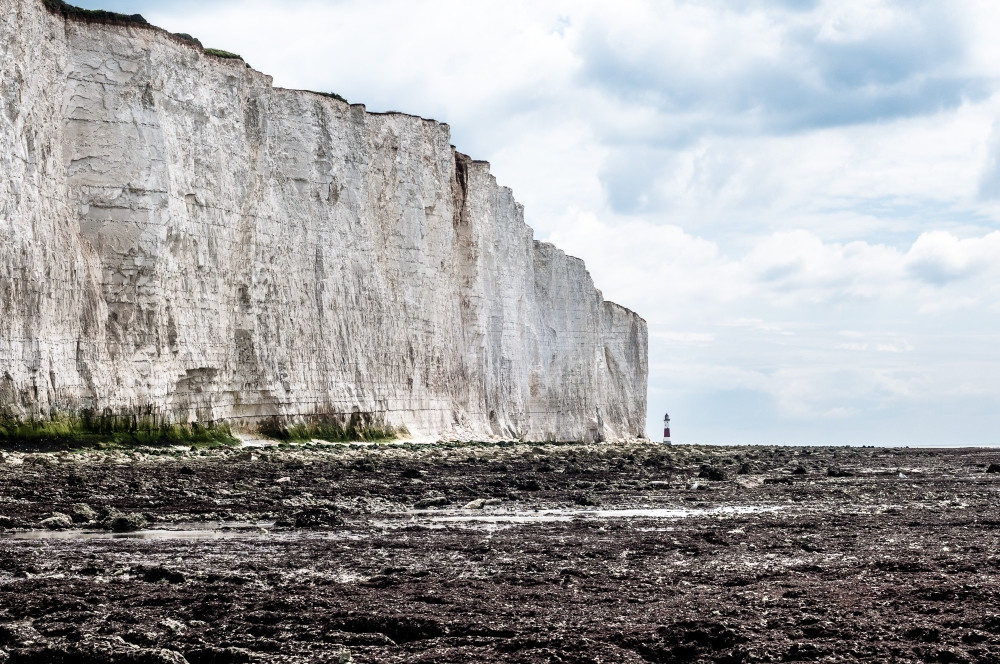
(666, 429)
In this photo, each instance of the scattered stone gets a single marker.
(994, 468)
(13, 460)
(283, 480)
(746, 468)
(174, 626)
(82, 513)
(659, 484)
(142, 638)
(212, 655)
(156, 656)
(837, 471)
(572, 571)
(434, 501)
(58, 521)
(157, 574)
(42, 460)
(7, 523)
(413, 473)
(17, 634)
(799, 470)
(587, 500)
(480, 503)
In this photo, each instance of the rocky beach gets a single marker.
(500, 552)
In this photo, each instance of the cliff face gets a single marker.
(178, 237)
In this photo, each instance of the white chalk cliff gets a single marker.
(178, 237)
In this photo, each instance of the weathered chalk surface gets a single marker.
(179, 237)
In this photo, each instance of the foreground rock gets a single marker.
(58, 521)
(763, 567)
(83, 513)
(126, 523)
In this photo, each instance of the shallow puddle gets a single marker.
(548, 516)
(188, 533)
(432, 517)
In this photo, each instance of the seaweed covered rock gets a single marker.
(58, 521)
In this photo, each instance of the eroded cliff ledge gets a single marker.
(182, 242)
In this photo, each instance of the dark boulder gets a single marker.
(712, 473)
(317, 517)
(433, 501)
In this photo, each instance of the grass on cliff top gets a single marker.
(101, 15)
(188, 38)
(77, 433)
(66, 9)
(219, 53)
(331, 95)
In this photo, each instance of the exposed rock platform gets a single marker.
(532, 554)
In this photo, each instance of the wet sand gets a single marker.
(512, 553)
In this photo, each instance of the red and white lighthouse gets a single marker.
(666, 428)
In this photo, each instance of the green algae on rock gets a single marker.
(108, 430)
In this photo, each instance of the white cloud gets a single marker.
(939, 257)
(774, 317)
(784, 269)
(878, 343)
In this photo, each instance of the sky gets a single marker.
(802, 198)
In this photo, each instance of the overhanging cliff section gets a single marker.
(183, 242)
